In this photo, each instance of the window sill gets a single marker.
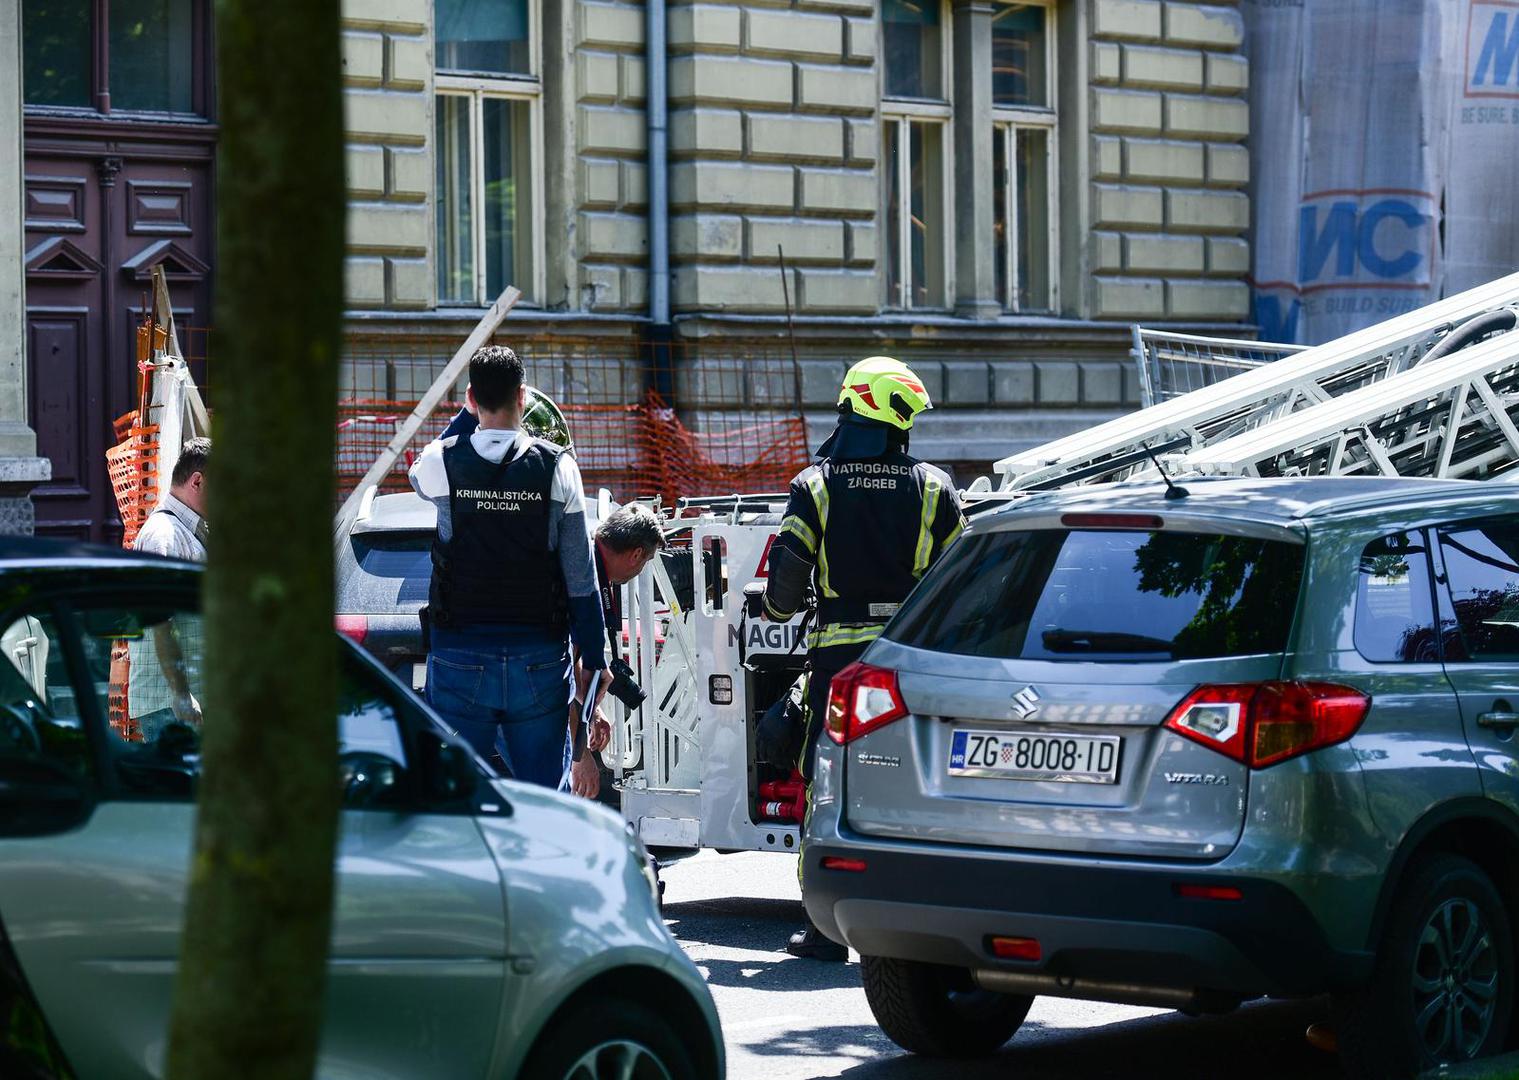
(136, 116)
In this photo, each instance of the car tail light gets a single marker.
(861, 699)
(355, 627)
(1260, 724)
(1015, 948)
(1149, 522)
(1207, 892)
(835, 862)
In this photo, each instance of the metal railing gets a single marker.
(1171, 364)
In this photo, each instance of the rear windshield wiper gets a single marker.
(1103, 641)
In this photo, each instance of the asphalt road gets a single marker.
(790, 1019)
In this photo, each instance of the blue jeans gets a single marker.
(520, 692)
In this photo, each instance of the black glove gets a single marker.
(778, 735)
(754, 600)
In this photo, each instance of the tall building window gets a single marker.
(488, 127)
(1023, 149)
(143, 56)
(915, 117)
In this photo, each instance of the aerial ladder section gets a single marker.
(1450, 417)
(1260, 397)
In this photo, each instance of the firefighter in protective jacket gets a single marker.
(862, 525)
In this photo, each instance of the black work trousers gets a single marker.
(823, 665)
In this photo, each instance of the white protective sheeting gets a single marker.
(1384, 140)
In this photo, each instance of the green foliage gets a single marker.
(1245, 588)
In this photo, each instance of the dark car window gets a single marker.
(39, 711)
(1394, 615)
(390, 571)
(1482, 571)
(147, 665)
(1056, 594)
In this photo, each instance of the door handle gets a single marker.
(1501, 720)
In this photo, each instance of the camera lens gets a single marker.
(624, 688)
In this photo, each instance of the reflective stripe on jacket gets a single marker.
(864, 532)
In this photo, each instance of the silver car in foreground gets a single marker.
(482, 928)
(1252, 739)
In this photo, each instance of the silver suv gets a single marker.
(1255, 740)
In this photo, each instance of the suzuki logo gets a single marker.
(1026, 702)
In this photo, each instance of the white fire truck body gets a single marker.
(685, 761)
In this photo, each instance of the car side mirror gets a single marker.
(369, 780)
(40, 797)
(449, 774)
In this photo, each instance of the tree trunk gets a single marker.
(248, 1000)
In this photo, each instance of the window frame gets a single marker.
(62, 602)
(903, 112)
(1458, 648)
(477, 87)
(1007, 121)
(202, 72)
(51, 604)
(1433, 573)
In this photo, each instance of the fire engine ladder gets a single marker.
(1258, 397)
(1450, 417)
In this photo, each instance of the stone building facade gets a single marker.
(992, 191)
(21, 469)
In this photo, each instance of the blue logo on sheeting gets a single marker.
(1277, 324)
(1364, 239)
(1492, 50)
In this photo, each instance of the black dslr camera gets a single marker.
(624, 687)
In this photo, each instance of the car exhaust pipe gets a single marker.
(1186, 999)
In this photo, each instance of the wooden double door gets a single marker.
(119, 140)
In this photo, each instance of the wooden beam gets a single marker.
(430, 401)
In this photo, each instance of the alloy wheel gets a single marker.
(1455, 982)
(618, 1059)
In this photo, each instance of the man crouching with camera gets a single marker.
(628, 540)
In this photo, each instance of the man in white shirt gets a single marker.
(513, 580)
(165, 683)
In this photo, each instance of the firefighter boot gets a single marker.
(809, 942)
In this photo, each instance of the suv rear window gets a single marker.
(393, 571)
(1059, 594)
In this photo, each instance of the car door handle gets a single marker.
(1507, 720)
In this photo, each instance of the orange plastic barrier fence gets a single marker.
(703, 425)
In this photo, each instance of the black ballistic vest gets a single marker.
(875, 517)
(497, 566)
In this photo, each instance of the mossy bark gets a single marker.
(248, 1000)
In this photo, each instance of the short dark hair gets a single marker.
(193, 458)
(495, 375)
(632, 526)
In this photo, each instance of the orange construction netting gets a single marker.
(724, 424)
(132, 465)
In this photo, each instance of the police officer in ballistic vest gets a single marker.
(512, 577)
(862, 525)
